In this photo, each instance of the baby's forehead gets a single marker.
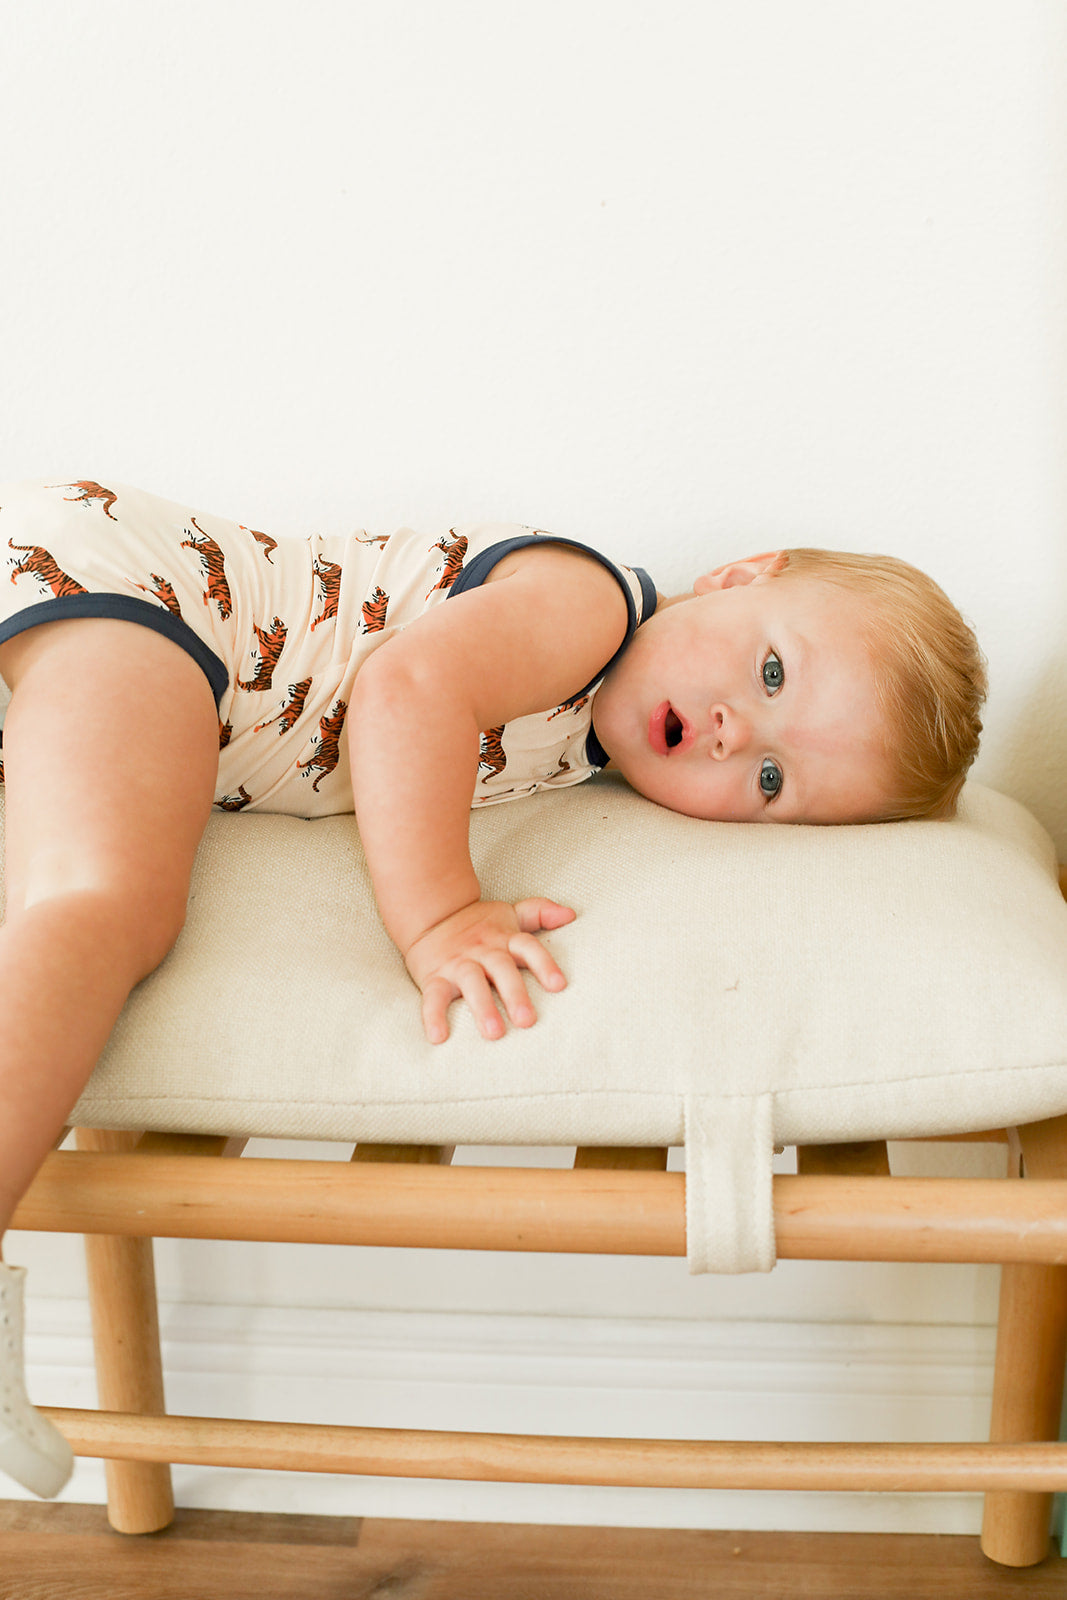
(814, 605)
(814, 588)
(845, 735)
(843, 776)
(825, 612)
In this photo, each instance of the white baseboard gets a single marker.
(668, 1379)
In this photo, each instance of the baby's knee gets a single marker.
(134, 929)
(151, 923)
(144, 923)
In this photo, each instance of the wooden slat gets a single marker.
(1044, 1148)
(420, 1155)
(189, 1144)
(870, 1159)
(920, 1219)
(376, 1203)
(499, 1208)
(523, 1458)
(620, 1158)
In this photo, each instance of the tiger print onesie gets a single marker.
(280, 628)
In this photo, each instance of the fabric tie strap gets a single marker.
(729, 1202)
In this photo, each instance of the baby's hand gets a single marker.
(479, 949)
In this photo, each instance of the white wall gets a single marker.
(680, 279)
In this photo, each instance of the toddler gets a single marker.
(162, 661)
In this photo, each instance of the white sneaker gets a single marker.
(32, 1451)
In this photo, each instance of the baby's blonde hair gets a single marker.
(930, 675)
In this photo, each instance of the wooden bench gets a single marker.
(123, 1187)
(121, 1191)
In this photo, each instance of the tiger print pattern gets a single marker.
(89, 493)
(45, 569)
(329, 576)
(271, 644)
(235, 802)
(266, 541)
(283, 687)
(327, 752)
(491, 750)
(373, 611)
(162, 590)
(455, 555)
(291, 709)
(214, 565)
(577, 702)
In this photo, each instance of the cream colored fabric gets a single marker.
(729, 986)
(286, 623)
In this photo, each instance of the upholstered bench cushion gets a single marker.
(729, 987)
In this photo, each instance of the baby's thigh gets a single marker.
(110, 755)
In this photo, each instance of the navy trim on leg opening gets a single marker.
(125, 608)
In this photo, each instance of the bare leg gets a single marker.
(110, 758)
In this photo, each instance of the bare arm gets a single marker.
(537, 631)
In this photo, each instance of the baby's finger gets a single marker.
(474, 987)
(535, 914)
(436, 998)
(508, 982)
(530, 952)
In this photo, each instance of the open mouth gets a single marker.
(667, 729)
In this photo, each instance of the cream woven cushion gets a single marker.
(729, 987)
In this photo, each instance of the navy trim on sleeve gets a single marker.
(595, 753)
(648, 592)
(126, 608)
(475, 572)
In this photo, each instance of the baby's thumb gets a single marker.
(536, 914)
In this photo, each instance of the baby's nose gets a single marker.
(730, 732)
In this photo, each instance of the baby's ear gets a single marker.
(737, 572)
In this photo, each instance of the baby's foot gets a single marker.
(32, 1451)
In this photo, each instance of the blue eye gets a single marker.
(773, 673)
(770, 778)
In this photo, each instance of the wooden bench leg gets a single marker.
(1027, 1395)
(1029, 1373)
(129, 1368)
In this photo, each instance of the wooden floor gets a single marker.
(69, 1553)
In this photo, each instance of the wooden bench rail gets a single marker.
(527, 1458)
(599, 1211)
